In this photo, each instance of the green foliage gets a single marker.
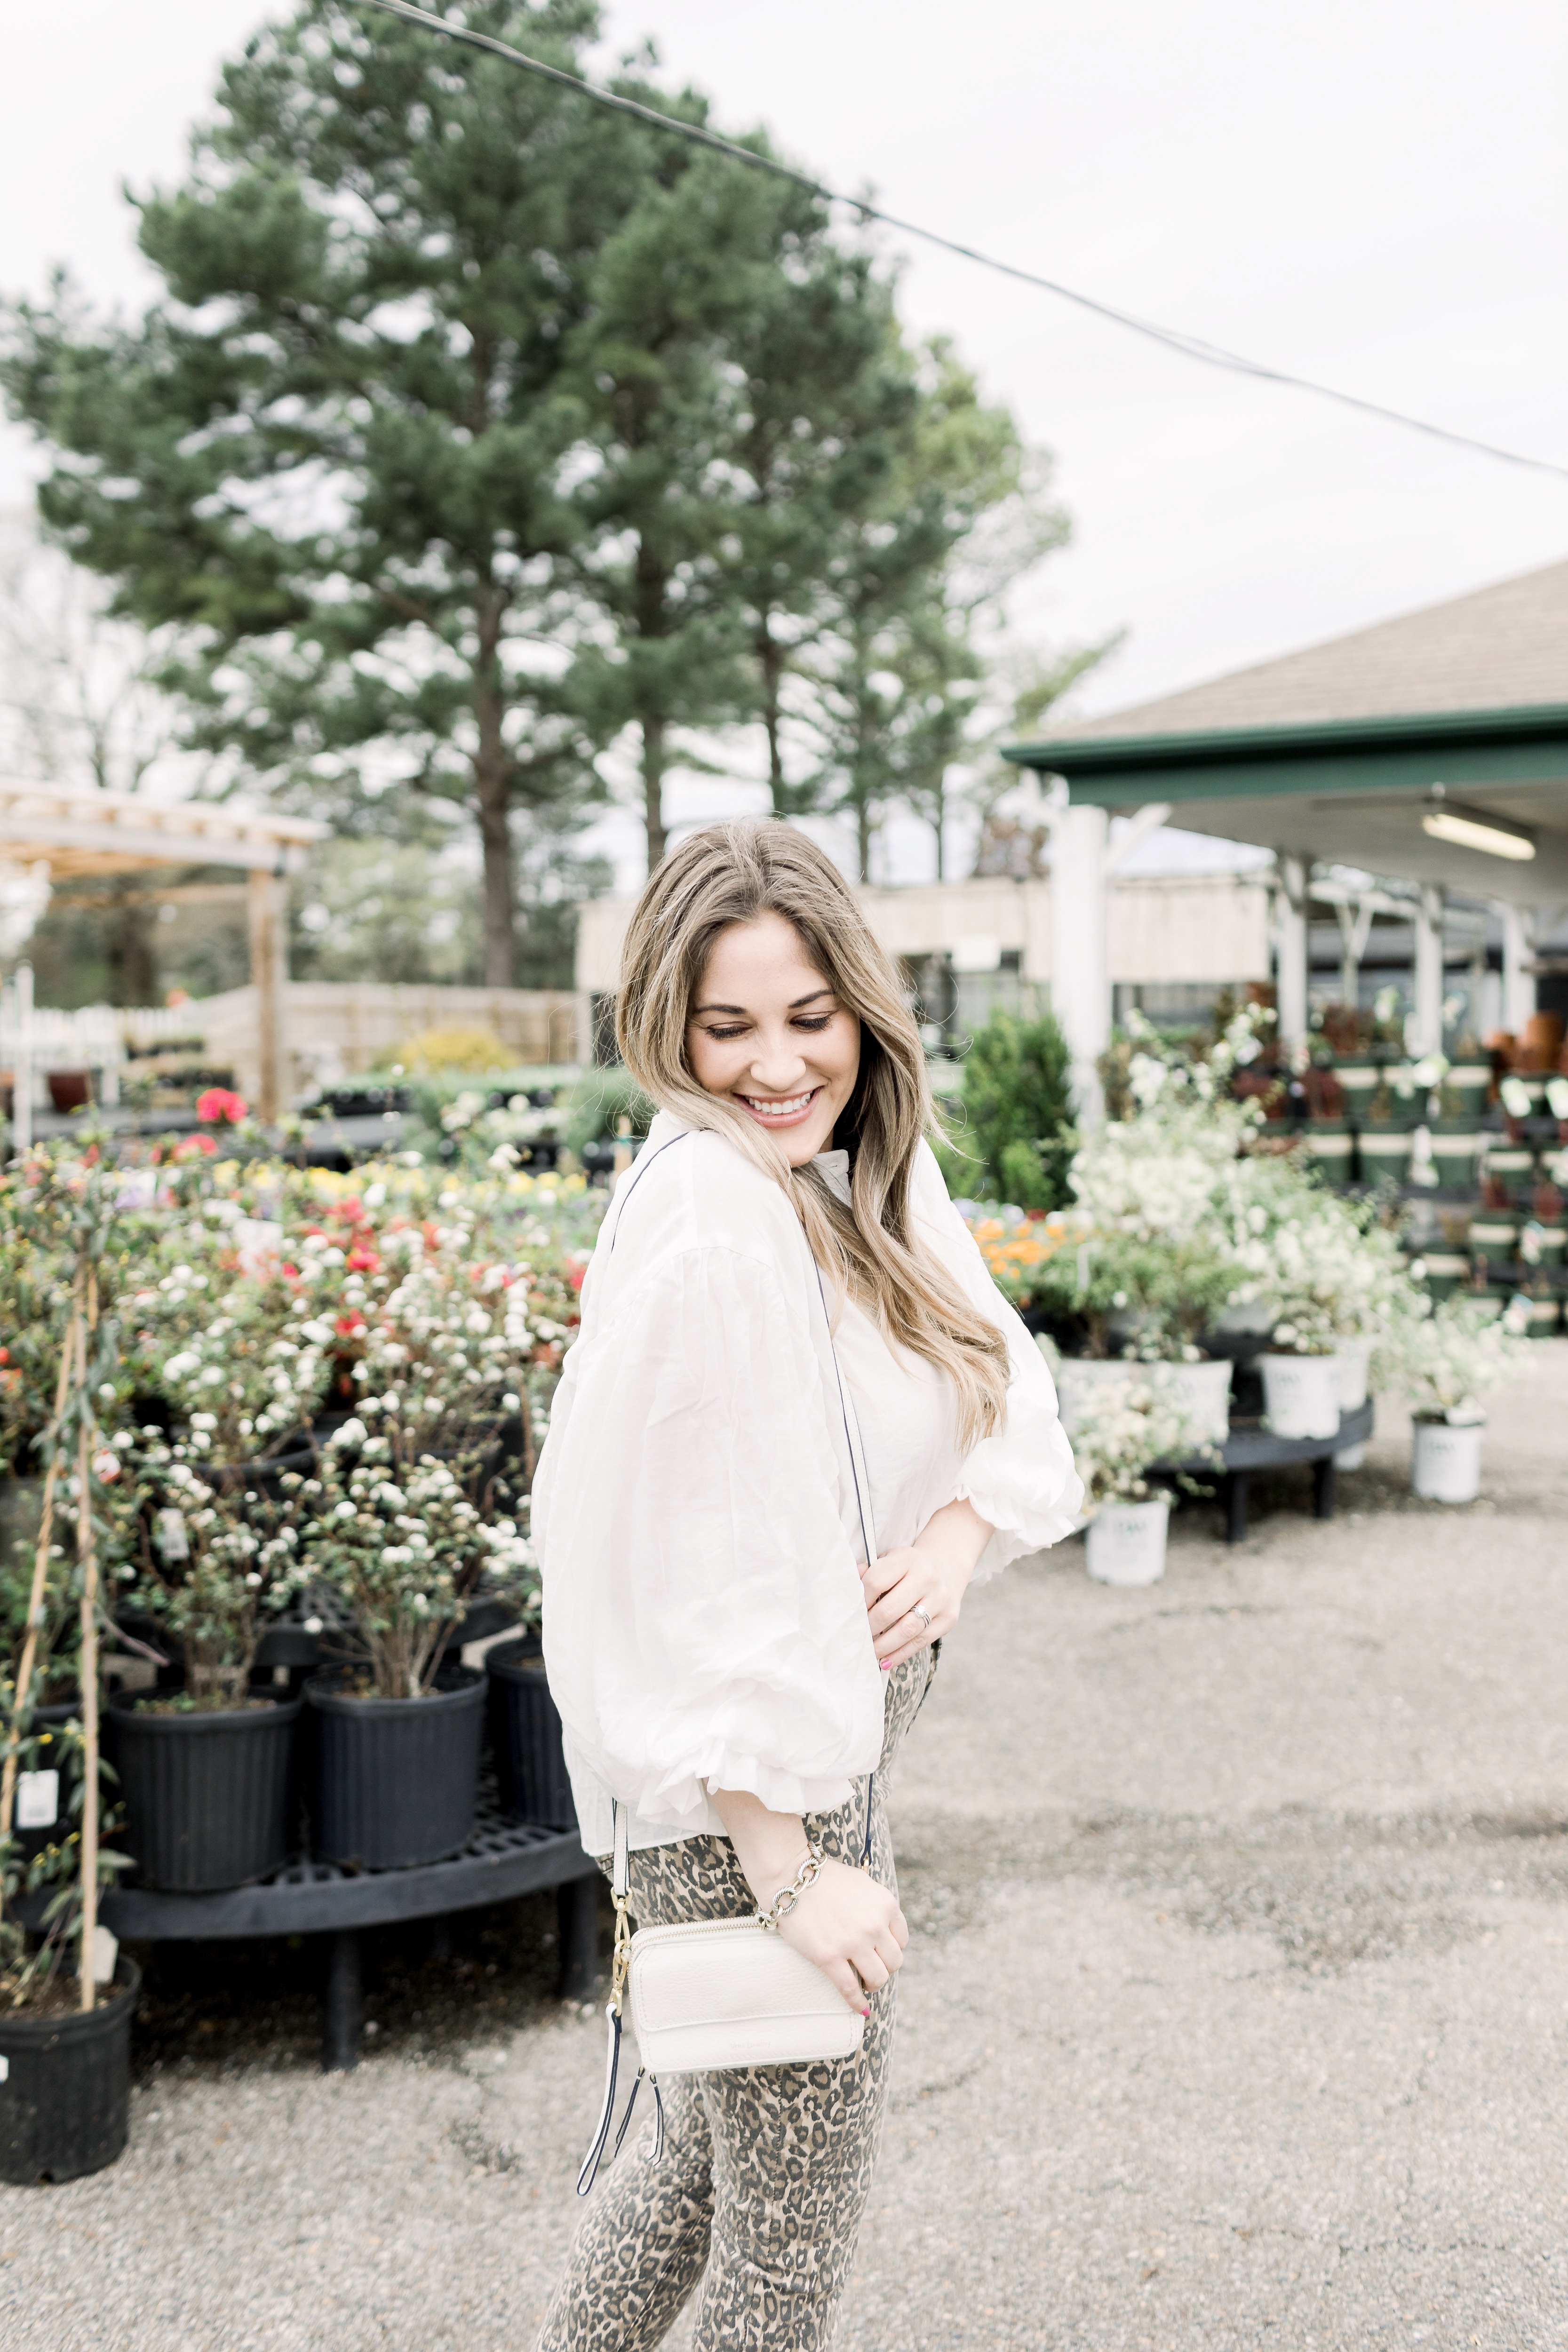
(598, 1102)
(477, 429)
(346, 420)
(1017, 1111)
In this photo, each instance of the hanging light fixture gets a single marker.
(1476, 833)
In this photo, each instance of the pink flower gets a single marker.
(219, 1108)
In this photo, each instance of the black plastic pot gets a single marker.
(525, 1734)
(65, 2098)
(396, 1778)
(206, 1796)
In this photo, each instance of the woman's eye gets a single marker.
(815, 1021)
(723, 1036)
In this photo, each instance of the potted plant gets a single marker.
(1336, 1283)
(1138, 1268)
(1448, 1364)
(1493, 1239)
(397, 1735)
(1125, 1427)
(205, 1767)
(1388, 1124)
(65, 1997)
(1465, 1086)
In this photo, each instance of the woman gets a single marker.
(727, 1667)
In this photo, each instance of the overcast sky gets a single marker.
(1371, 192)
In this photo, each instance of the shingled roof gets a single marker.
(1499, 648)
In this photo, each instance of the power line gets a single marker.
(1191, 347)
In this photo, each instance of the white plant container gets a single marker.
(1125, 1542)
(1350, 1360)
(1301, 1395)
(1075, 1374)
(1445, 1460)
(1202, 1392)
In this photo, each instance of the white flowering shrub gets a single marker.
(405, 1543)
(217, 1322)
(209, 1556)
(1447, 1363)
(1323, 1266)
(1124, 1426)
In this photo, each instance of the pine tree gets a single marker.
(332, 453)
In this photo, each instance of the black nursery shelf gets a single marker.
(502, 1859)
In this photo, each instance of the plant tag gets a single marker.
(105, 1952)
(173, 1540)
(37, 1800)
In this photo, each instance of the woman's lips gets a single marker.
(792, 1109)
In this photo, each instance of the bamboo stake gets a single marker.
(87, 1553)
(35, 1598)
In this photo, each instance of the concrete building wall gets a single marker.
(1169, 928)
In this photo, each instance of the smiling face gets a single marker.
(767, 1031)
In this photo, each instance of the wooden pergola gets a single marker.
(77, 831)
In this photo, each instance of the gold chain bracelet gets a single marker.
(786, 1899)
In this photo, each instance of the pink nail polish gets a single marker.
(886, 1664)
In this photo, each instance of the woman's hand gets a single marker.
(851, 1928)
(844, 1923)
(932, 1573)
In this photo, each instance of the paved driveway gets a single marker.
(1237, 2016)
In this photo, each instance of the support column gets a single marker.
(1291, 949)
(21, 1061)
(1080, 970)
(1355, 929)
(1518, 966)
(1428, 1019)
(269, 973)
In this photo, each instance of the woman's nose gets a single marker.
(778, 1064)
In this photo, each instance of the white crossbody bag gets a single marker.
(708, 1994)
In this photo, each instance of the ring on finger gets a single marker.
(920, 1610)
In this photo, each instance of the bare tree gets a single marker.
(79, 704)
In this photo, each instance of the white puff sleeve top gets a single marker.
(695, 1508)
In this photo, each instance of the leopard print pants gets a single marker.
(756, 2203)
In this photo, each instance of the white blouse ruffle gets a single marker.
(694, 1511)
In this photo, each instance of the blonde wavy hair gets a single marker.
(733, 874)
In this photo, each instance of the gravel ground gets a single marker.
(1236, 2017)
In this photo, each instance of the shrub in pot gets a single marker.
(1125, 1427)
(1445, 1366)
(206, 1768)
(397, 1740)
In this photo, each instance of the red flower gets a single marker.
(190, 1145)
(361, 1260)
(349, 1324)
(219, 1108)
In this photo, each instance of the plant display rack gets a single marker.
(501, 1860)
(1247, 1451)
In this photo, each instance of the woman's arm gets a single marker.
(934, 1571)
(844, 1923)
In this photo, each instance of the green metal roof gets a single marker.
(1348, 755)
(1352, 789)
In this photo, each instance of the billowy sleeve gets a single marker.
(704, 1619)
(1021, 1479)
